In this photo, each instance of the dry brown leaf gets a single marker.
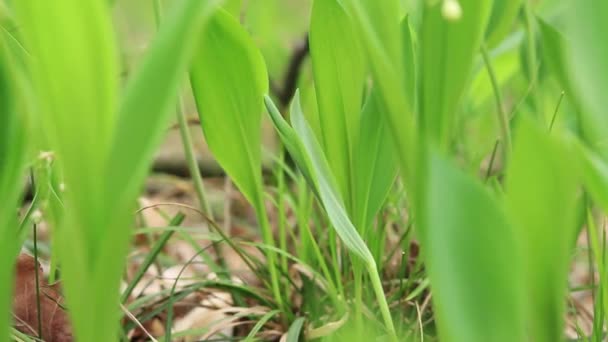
(209, 315)
(55, 326)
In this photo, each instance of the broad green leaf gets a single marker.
(233, 7)
(502, 19)
(229, 81)
(472, 258)
(12, 160)
(74, 97)
(541, 196)
(339, 75)
(594, 172)
(554, 48)
(378, 26)
(75, 92)
(10, 32)
(103, 156)
(587, 56)
(447, 47)
(375, 167)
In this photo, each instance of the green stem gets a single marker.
(281, 188)
(184, 131)
(502, 115)
(191, 160)
(380, 297)
(357, 273)
(270, 255)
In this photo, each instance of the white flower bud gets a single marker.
(36, 216)
(451, 10)
(46, 155)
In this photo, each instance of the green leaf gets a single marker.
(339, 75)
(230, 100)
(12, 162)
(75, 92)
(233, 7)
(290, 141)
(77, 87)
(594, 172)
(295, 329)
(103, 155)
(504, 13)
(472, 258)
(554, 57)
(448, 47)
(325, 184)
(327, 190)
(74, 72)
(409, 62)
(375, 166)
(378, 26)
(587, 58)
(229, 80)
(541, 197)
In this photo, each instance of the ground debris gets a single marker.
(55, 326)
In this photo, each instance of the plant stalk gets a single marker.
(270, 255)
(380, 297)
(186, 137)
(502, 114)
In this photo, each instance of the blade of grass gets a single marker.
(260, 324)
(295, 330)
(151, 256)
(503, 120)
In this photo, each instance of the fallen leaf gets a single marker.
(55, 326)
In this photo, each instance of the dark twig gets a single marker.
(285, 90)
(290, 80)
